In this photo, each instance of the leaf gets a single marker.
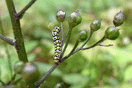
(45, 68)
(128, 73)
(74, 79)
(30, 45)
(31, 57)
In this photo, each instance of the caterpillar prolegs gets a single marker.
(57, 44)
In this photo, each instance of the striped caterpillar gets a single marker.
(57, 44)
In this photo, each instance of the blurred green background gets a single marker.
(99, 67)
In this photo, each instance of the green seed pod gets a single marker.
(18, 67)
(119, 19)
(82, 35)
(60, 15)
(112, 33)
(30, 73)
(74, 19)
(95, 25)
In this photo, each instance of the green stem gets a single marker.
(68, 39)
(13, 78)
(17, 31)
(21, 13)
(101, 40)
(77, 42)
(7, 52)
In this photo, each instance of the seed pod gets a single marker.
(30, 73)
(95, 25)
(82, 35)
(112, 33)
(18, 67)
(74, 19)
(51, 25)
(119, 19)
(60, 15)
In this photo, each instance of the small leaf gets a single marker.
(128, 73)
(30, 45)
(45, 68)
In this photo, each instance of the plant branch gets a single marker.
(21, 13)
(65, 37)
(14, 76)
(91, 32)
(105, 45)
(9, 41)
(2, 82)
(101, 40)
(17, 81)
(37, 84)
(62, 33)
(20, 48)
(68, 39)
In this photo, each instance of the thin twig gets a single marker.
(14, 76)
(9, 41)
(21, 13)
(37, 84)
(62, 34)
(101, 40)
(7, 51)
(65, 37)
(17, 81)
(91, 32)
(105, 45)
(68, 39)
(2, 82)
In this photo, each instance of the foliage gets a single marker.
(97, 67)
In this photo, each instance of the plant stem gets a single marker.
(7, 52)
(65, 37)
(68, 39)
(37, 84)
(17, 31)
(62, 34)
(2, 82)
(91, 32)
(14, 76)
(9, 41)
(17, 81)
(101, 40)
(21, 13)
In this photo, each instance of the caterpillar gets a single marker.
(57, 44)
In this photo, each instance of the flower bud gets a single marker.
(30, 73)
(18, 67)
(74, 19)
(95, 25)
(119, 19)
(60, 15)
(112, 33)
(82, 35)
(51, 25)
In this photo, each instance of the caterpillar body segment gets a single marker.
(57, 44)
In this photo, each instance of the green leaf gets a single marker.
(45, 68)
(30, 45)
(31, 57)
(74, 79)
(39, 33)
(128, 73)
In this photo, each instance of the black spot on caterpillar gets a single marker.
(57, 44)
